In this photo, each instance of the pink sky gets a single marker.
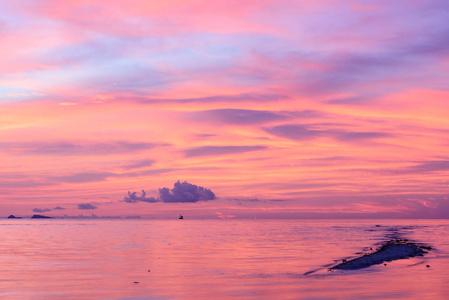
(283, 109)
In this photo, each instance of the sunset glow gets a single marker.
(284, 109)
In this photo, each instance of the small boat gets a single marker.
(181, 217)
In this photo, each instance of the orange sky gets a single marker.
(283, 109)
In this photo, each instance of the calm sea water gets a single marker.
(220, 259)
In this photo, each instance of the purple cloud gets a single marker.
(133, 198)
(59, 208)
(295, 132)
(101, 176)
(41, 210)
(220, 150)
(86, 206)
(139, 164)
(422, 167)
(185, 192)
(65, 148)
(23, 184)
(301, 132)
(220, 98)
(239, 116)
(182, 192)
(83, 177)
(354, 136)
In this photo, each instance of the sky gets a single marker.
(225, 109)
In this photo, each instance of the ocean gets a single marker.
(216, 259)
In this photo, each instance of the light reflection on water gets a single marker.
(222, 259)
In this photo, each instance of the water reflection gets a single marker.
(104, 259)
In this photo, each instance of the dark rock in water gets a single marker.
(40, 217)
(14, 217)
(391, 250)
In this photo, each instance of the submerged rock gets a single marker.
(391, 250)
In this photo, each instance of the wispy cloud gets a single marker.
(259, 98)
(86, 206)
(82, 177)
(240, 116)
(220, 150)
(41, 210)
(420, 168)
(301, 132)
(67, 148)
(138, 164)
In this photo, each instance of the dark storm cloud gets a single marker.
(86, 206)
(41, 210)
(185, 192)
(133, 198)
(220, 150)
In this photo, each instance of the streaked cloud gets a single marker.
(220, 150)
(301, 132)
(240, 116)
(41, 210)
(139, 164)
(86, 206)
(82, 177)
(67, 148)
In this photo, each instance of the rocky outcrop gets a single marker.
(389, 251)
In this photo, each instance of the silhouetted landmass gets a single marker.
(93, 216)
(391, 250)
(40, 217)
(14, 217)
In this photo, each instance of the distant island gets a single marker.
(133, 217)
(14, 217)
(40, 217)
